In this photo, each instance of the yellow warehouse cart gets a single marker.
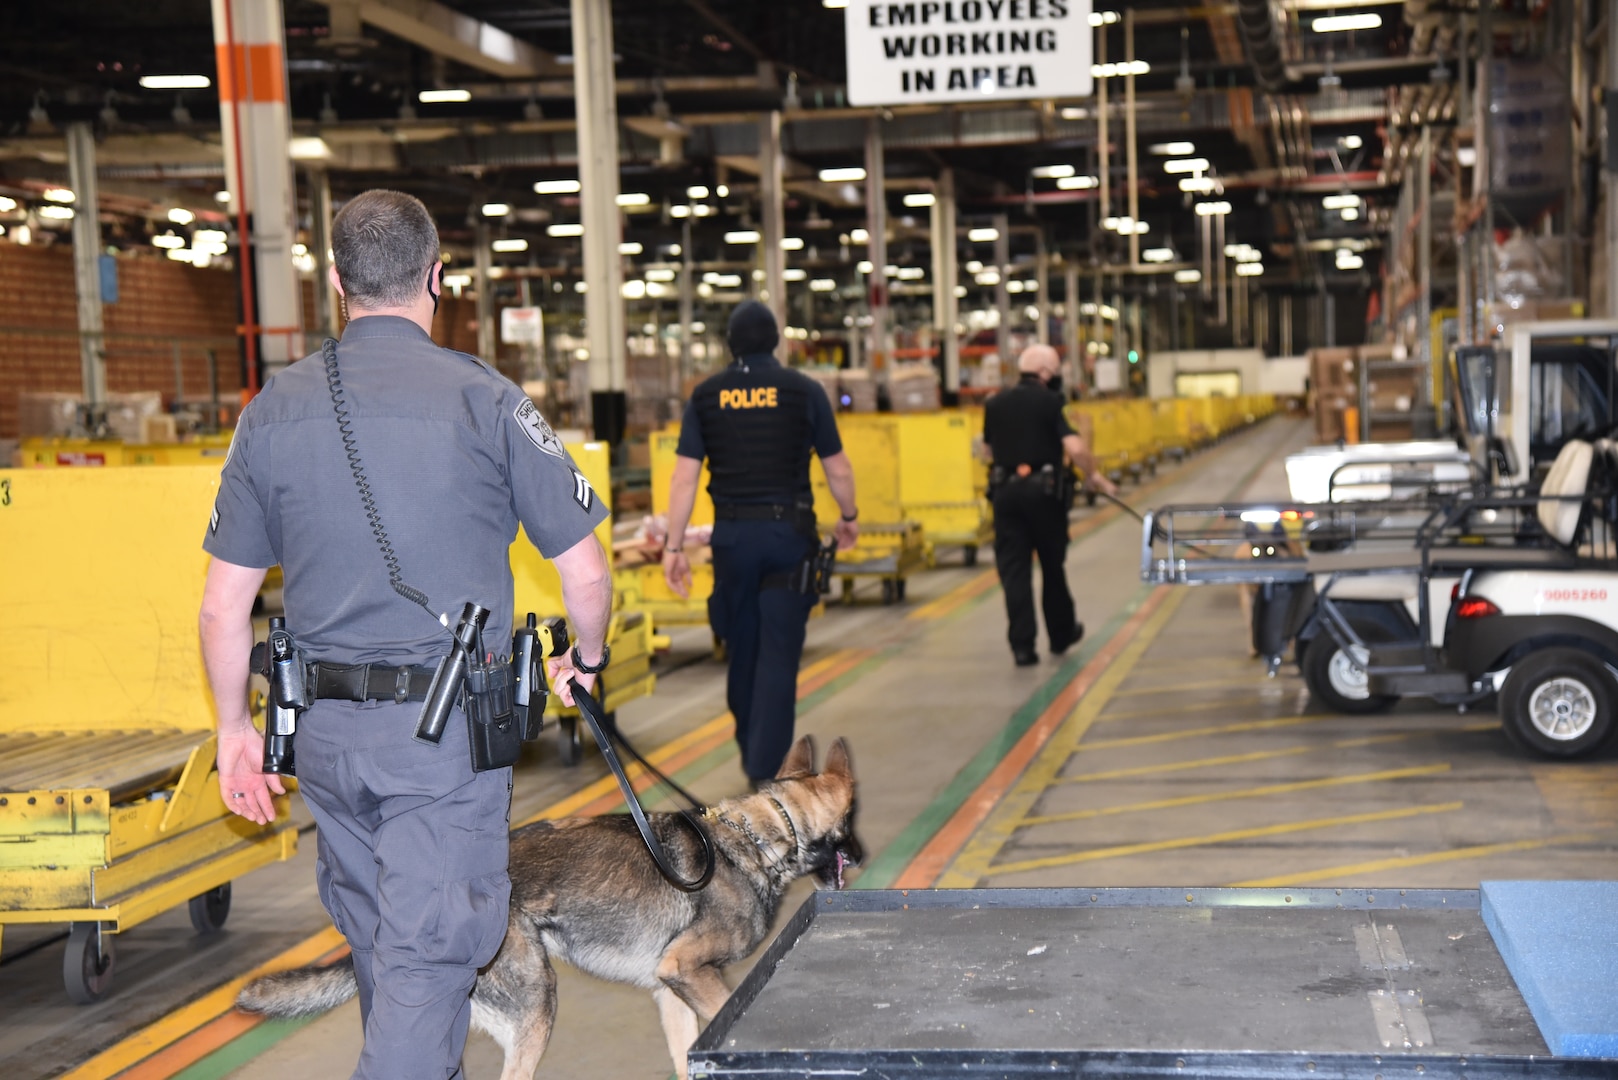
(539, 589)
(642, 588)
(939, 482)
(110, 810)
(891, 545)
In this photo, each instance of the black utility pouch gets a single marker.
(492, 726)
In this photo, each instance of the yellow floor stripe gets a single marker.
(1261, 755)
(1255, 679)
(1196, 733)
(974, 859)
(1481, 851)
(152, 1038)
(1234, 835)
(1245, 793)
(1177, 710)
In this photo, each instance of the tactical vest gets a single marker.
(755, 427)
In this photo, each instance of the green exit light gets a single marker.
(1134, 356)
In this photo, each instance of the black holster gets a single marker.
(279, 660)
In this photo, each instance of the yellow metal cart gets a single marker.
(539, 589)
(939, 483)
(110, 811)
(891, 545)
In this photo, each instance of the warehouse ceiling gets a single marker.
(1285, 116)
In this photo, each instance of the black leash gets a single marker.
(1119, 502)
(605, 734)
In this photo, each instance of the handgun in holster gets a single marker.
(279, 660)
(531, 645)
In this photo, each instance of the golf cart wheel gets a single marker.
(568, 744)
(210, 910)
(1337, 678)
(1558, 702)
(87, 964)
(970, 555)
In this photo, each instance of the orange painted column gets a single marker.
(250, 54)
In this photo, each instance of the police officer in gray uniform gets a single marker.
(388, 483)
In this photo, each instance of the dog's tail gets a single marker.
(309, 991)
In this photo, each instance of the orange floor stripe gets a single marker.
(932, 860)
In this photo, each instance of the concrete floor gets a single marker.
(1180, 764)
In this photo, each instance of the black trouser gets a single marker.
(1030, 521)
(763, 630)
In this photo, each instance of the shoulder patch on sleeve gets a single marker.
(538, 431)
(583, 493)
(213, 519)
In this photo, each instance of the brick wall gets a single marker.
(159, 302)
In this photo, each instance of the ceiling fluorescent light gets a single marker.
(308, 148)
(742, 236)
(175, 82)
(920, 199)
(443, 97)
(982, 236)
(631, 247)
(56, 213)
(1075, 112)
(696, 191)
(793, 273)
(791, 243)
(496, 209)
(1197, 185)
(556, 187)
(1052, 172)
(1173, 149)
(1213, 209)
(1186, 165)
(515, 244)
(822, 285)
(168, 240)
(1345, 201)
(1078, 183)
(1333, 24)
(1251, 269)
(634, 198)
(1188, 277)
(1157, 255)
(181, 216)
(59, 194)
(858, 236)
(565, 229)
(837, 176)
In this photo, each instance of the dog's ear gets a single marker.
(838, 761)
(800, 762)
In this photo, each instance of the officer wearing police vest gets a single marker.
(387, 477)
(757, 422)
(1026, 435)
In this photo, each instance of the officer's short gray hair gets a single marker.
(383, 243)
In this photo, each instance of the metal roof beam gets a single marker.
(448, 33)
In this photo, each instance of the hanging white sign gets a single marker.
(925, 51)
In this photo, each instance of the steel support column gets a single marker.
(1002, 295)
(327, 302)
(1424, 263)
(81, 174)
(1071, 337)
(876, 225)
(688, 287)
(481, 259)
(250, 47)
(945, 275)
(596, 105)
(1042, 286)
(772, 195)
(1610, 179)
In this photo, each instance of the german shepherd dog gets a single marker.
(584, 891)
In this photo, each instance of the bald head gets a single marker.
(1041, 360)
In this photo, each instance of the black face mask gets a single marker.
(436, 279)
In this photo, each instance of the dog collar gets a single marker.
(797, 847)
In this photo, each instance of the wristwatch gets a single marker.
(851, 517)
(580, 665)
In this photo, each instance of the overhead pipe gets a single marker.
(1261, 35)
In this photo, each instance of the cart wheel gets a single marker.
(970, 555)
(1337, 678)
(87, 964)
(210, 910)
(888, 590)
(567, 738)
(1559, 703)
(899, 590)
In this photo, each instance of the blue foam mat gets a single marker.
(1559, 940)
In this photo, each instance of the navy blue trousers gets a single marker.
(763, 631)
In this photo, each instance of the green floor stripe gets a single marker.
(881, 871)
(241, 1050)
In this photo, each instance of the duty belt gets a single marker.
(789, 512)
(369, 682)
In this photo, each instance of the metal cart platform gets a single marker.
(1223, 982)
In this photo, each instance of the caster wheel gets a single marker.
(888, 590)
(87, 964)
(210, 910)
(970, 555)
(569, 745)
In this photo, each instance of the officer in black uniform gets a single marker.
(757, 422)
(388, 480)
(1026, 435)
